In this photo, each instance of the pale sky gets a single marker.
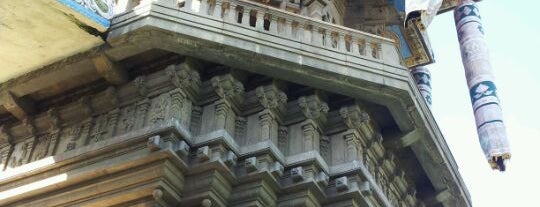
(512, 30)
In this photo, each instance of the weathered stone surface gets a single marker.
(198, 130)
(156, 111)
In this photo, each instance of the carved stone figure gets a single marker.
(159, 109)
(42, 147)
(99, 129)
(127, 121)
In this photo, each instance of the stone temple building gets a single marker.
(220, 103)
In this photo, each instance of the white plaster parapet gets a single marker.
(283, 24)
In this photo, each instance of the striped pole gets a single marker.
(487, 110)
(422, 77)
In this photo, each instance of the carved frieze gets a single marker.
(174, 94)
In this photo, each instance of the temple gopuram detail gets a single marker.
(321, 103)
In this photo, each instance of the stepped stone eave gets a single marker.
(41, 32)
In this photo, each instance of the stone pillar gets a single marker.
(487, 111)
(422, 77)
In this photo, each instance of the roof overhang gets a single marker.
(39, 32)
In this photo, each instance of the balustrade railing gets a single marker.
(287, 25)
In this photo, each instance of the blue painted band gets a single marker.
(422, 78)
(472, 11)
(489, 122)
(481, 90)
(467, 22)
(86, 12)
(422, 73)
(486, 104)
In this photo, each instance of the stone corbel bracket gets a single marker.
(229, 89)
(267, 97)
(19, 107)
(355, 117)
(185, 76)
(312, 107)
(110, 70)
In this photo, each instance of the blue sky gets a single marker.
(513, 35)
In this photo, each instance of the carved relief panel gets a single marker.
(71, 136)
(4, 153)
(21, 153)
(159, 109)
(99, 129)
(127, 119)
(42, 147)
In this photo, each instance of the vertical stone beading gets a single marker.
(422, 77)
(487, 111)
